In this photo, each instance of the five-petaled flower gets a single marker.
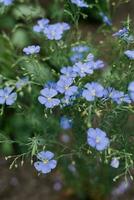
(47, 97)
(31, 50)
(92, 90)
(46, 163)
(97, 139)
(64, 86)
(7, 96)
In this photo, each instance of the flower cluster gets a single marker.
(7, 96)
(80, 3)
(51, 31)
(125, 35)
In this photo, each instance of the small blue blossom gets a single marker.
(80, 48)
(6, 2)
(83, 69)
(97, 139)
(92, 90)
(46, 163)
(80, 3)
(51, 84)
(115, 162)
(31, 50)
(55, 31)
(47, 97)
(65, 123)
(22, 82)
(129, 54)
(121, 33)
(99, 64)
(131, 90)
(64, 86)
(105, 19)
(68, 72)
(119, 97)
(76, 57)
(41, 24)
(7, 96)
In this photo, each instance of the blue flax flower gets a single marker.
(47, 97)
(83, 69)
(97, 139)
(55, 31)
(65, 123)
(80, 3)
(76, 57)
(131, 90)
(80, 48)
(68, 72)
(115, 162)
(6, 2)
(51, 84)
(119, 97)
(129, 54)
(46, 163)
(31, 50)
(92, 90)
(64, 86)
(121, 33)
(7, 96)
(41, 24)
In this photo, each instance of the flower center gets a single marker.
(97, 140)
(93, 92)
(45, 161)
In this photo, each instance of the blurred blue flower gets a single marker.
(51, 84)
(129, 54)
(6, 2)
(115, 162)
(121, 33)
(41, 24)
(92, 90)
(105, 19)
(83, 69)
(7, 96)
(55, 31)
(46, 164)
(99, 64)
(80, 3)
(131, 90)
(46, 97)
(76, 57)
(22, 82)
(68, 72)
(119, 97)
(31, 49)
(80, 48)
(97, 138)
(64, 86)
(65, 123)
